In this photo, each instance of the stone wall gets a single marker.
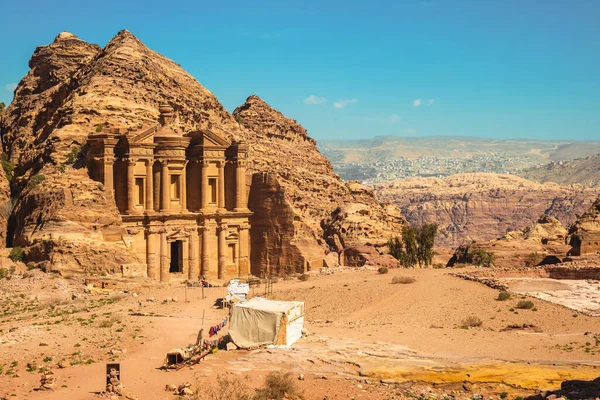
(571, 272)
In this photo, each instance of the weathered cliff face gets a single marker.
(6, 206)
(541, 243)
(328, 221)
(75, 88)
(584, 234)
(483, 206)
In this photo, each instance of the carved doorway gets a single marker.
(176, 257)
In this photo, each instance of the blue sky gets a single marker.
(357, 69)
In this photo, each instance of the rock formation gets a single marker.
(483, 206)
(75, 88)
(584, 171)
(304, 214)
(541, 243)
(584, 234)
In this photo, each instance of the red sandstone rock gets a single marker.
(483, 206)
(75, 88)
(584, 235)
(538, 244)
(304, 214)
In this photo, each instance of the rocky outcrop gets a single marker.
(542, 243)
(75, 88)
(584, 234)
(328, 221)
(584, 171)
(483, 206)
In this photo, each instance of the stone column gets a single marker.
(221, 185)
(149, 187)
(244, 250)
(108, 162)
(204, 185)
(164, 257)
(151, 254)
(165, 182)
(184, 188)
(205, 256)
(130, 186)
(222, 250)
(240, 186)
(194, 267)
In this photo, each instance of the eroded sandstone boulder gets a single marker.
(584, 234)
(541, 243)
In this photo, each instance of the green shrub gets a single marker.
(525, 305)
(279, 386)
(35, 180)
(403, 280)
(438, 266)
(532, 260)
(16, 254)
(7, 166)
(503, 296)
(471, 322)
(99, 127)
(72, 155)
(382, 270)
(482, 258)
(3, 273)
(61, 167)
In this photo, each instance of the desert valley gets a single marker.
(141, 223)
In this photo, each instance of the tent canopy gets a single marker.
(260, 322)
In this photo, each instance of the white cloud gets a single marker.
(344, 103)
(430, 102)
(417, 103)
(312, 99)
(10, 87)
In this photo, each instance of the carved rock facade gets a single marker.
(182, 198)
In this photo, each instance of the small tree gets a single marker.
(416, 247)
(482, 258)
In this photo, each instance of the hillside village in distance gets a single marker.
(439, 167)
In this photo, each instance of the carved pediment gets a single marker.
(206, 138)
(143, 136)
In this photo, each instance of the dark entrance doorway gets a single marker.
(176, 256)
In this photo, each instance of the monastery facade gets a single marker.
(182, 199)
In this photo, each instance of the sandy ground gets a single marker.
(369, 338)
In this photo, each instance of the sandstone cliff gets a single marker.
(75, 88)
(538, 244)
(483, 206)
(584, 234)
(310, 214)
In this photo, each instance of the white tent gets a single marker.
(260, 322)
(237, 290)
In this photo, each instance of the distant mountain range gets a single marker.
(386, 158)
(585, 171)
